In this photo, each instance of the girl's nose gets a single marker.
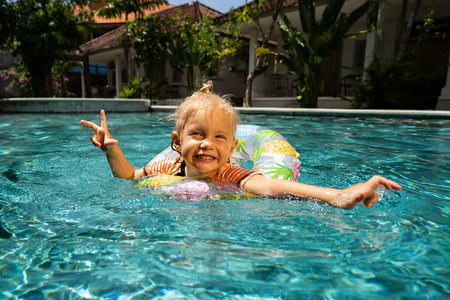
(206, 143)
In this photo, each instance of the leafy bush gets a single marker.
(393, 85)
(142, 88)
(16, 77)
(59, 71)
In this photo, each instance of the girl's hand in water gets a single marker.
(102, 138)
(364, 192)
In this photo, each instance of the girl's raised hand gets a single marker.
(102, 138)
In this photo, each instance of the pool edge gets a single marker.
(69, 105)
(417, 114)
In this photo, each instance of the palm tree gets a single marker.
(407, 30)
(251, 12)
(306, 55)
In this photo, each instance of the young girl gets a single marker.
(205, 139)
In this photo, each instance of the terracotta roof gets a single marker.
(110, 39)
(194, 9)
(131, 16)
(265, 7)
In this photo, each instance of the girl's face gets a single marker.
(206, 142)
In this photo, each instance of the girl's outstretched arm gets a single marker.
(103, 139)
(347, 198)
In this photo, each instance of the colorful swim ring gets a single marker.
(270, 153)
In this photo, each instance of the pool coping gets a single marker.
(87, 105)
(332, 112)
(72, 105)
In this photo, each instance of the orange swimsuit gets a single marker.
(171, 166)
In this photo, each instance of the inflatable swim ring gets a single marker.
(270, 153)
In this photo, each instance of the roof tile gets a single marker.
(110, 39)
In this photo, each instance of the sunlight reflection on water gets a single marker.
(79, 232)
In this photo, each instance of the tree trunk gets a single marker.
(314, 86)
(260, 67)
(41, 83)
(401, 24)
(49, 85)
(191, 79)
(407, 31)
(249, 90)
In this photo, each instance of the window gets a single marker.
(93, 69)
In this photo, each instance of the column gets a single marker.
(118, 76)
(444, 99)
(252, 49)
(83, 85)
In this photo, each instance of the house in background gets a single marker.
(105, 37)
(356, 54)
(277, 86)
(107, 65)
(106, 50)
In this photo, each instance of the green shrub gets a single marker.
(142, 88)
(393, 85)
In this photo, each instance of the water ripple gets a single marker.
(78, 232)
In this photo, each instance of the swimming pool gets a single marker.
(78, 232)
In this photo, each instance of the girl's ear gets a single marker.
(233, 147)
(175, 141)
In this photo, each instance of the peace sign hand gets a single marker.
(102, 138)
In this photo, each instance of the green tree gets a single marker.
(401, 42)
(42, 32)
(6, 19)
(152, 36)
(251, 13)
(115, 9)
(306, 54)
(403, 82)
(200, 47)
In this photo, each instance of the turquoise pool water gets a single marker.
(79, 233)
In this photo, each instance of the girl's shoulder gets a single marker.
(169, 166)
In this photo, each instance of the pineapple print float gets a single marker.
(158, 180)
(277, 159)
(276, 146)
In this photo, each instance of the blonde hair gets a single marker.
(204, 100)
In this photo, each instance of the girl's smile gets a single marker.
(205, 157)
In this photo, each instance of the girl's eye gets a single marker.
(221, 137)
